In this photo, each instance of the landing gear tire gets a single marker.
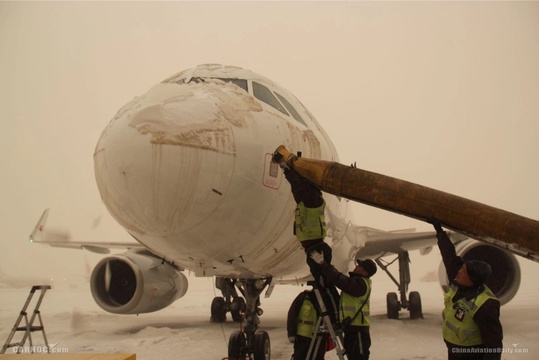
(236, 345)
(262, 346)
(237, 309)
(416, 311)
(392, 305)
(218, 310)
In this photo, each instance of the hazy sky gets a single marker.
(442, 94)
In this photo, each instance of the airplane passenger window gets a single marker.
(239, 82)
(264, 94)
(290, 109)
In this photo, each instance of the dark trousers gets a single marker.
(301, 349)
(357, 344)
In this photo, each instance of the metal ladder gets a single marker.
(323, 327)
(29, 328)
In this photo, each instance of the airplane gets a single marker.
(186, 169)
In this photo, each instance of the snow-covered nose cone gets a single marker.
(165, 162)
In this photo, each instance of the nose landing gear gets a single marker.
(248, 342)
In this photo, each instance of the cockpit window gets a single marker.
(264, 94)
(239, 82)
(290, 109)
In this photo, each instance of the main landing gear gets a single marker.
(248, 342)
(413, 303)
(230, 301)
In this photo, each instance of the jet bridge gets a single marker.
(512, 232)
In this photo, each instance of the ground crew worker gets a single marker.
(301, 326)
(310, 228)
(309, 218)
(354, 313)
(471, 318)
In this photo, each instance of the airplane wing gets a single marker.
(60, 238)
(381, 243)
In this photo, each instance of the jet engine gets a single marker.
(136, 283)
(505, 278)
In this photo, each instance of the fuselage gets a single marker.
(186, 169)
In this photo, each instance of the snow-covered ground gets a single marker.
(183, 330)
(442, 94)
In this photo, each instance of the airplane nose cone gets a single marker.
(165, 161)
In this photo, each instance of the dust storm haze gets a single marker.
(443, 94)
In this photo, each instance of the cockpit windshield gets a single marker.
(259, 91)
(239, 82)
(264, 94)
(290, 108)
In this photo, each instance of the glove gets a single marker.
(436, 223)
(317, 257)
(291, 339)
(278, 158)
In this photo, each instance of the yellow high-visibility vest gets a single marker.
(307, 318)
(459, 327)
(309, 223)
(350, 305)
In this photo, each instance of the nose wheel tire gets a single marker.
(236, 345)
(262, 346)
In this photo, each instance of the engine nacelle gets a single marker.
(136, 283)
(505, 278)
